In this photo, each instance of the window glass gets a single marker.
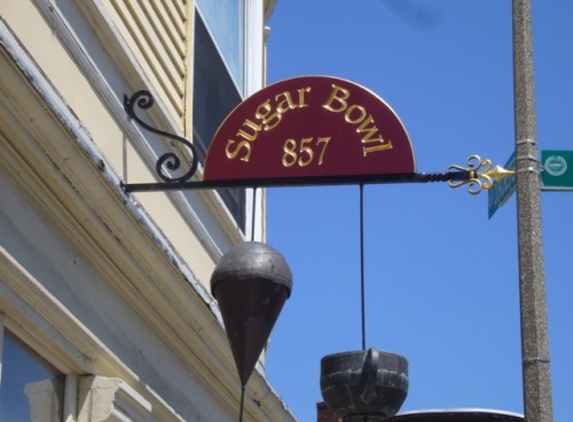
(224, 20)
(19, 367)
(214, 97)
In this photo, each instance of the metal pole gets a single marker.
(362, 283)
(534, 336)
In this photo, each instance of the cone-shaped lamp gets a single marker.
(251, 283)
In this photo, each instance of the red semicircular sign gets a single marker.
(312, 126)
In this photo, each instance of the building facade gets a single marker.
(105, 309)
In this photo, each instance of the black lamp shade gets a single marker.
(251, 284)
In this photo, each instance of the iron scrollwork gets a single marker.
(144, 100)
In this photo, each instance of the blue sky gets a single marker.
(441, 279)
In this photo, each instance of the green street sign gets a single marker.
(557, 170)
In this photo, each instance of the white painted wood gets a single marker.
(254, 73)
(204, 211)
(108, 399)
(145, 28)
(70, 398)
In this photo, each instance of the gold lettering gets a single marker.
(285, 105)
(349, 111)
(373, 130)
(270, 121)
(303, 152)
(341, 100)
(255, 130)
(375, 148)
(306, 149)
(356, 115)
(268, 116)
(324, 142)
(290, 156)
(301, 99)
(243, 145)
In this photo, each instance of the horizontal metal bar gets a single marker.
(300, 181)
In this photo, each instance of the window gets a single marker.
(225, 21)
(215, 94)
(19, 368)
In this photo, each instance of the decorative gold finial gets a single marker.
(498, 173)
(479, 180)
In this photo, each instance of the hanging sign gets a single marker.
(313, 126)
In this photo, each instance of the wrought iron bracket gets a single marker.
(144, 99)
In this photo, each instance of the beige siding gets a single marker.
(156, 31)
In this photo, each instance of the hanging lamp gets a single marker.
(251, 284)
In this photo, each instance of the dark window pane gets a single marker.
(214, 97)
(224, 18)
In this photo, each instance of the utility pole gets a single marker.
(534, 335)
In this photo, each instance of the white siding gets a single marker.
(157, 32)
